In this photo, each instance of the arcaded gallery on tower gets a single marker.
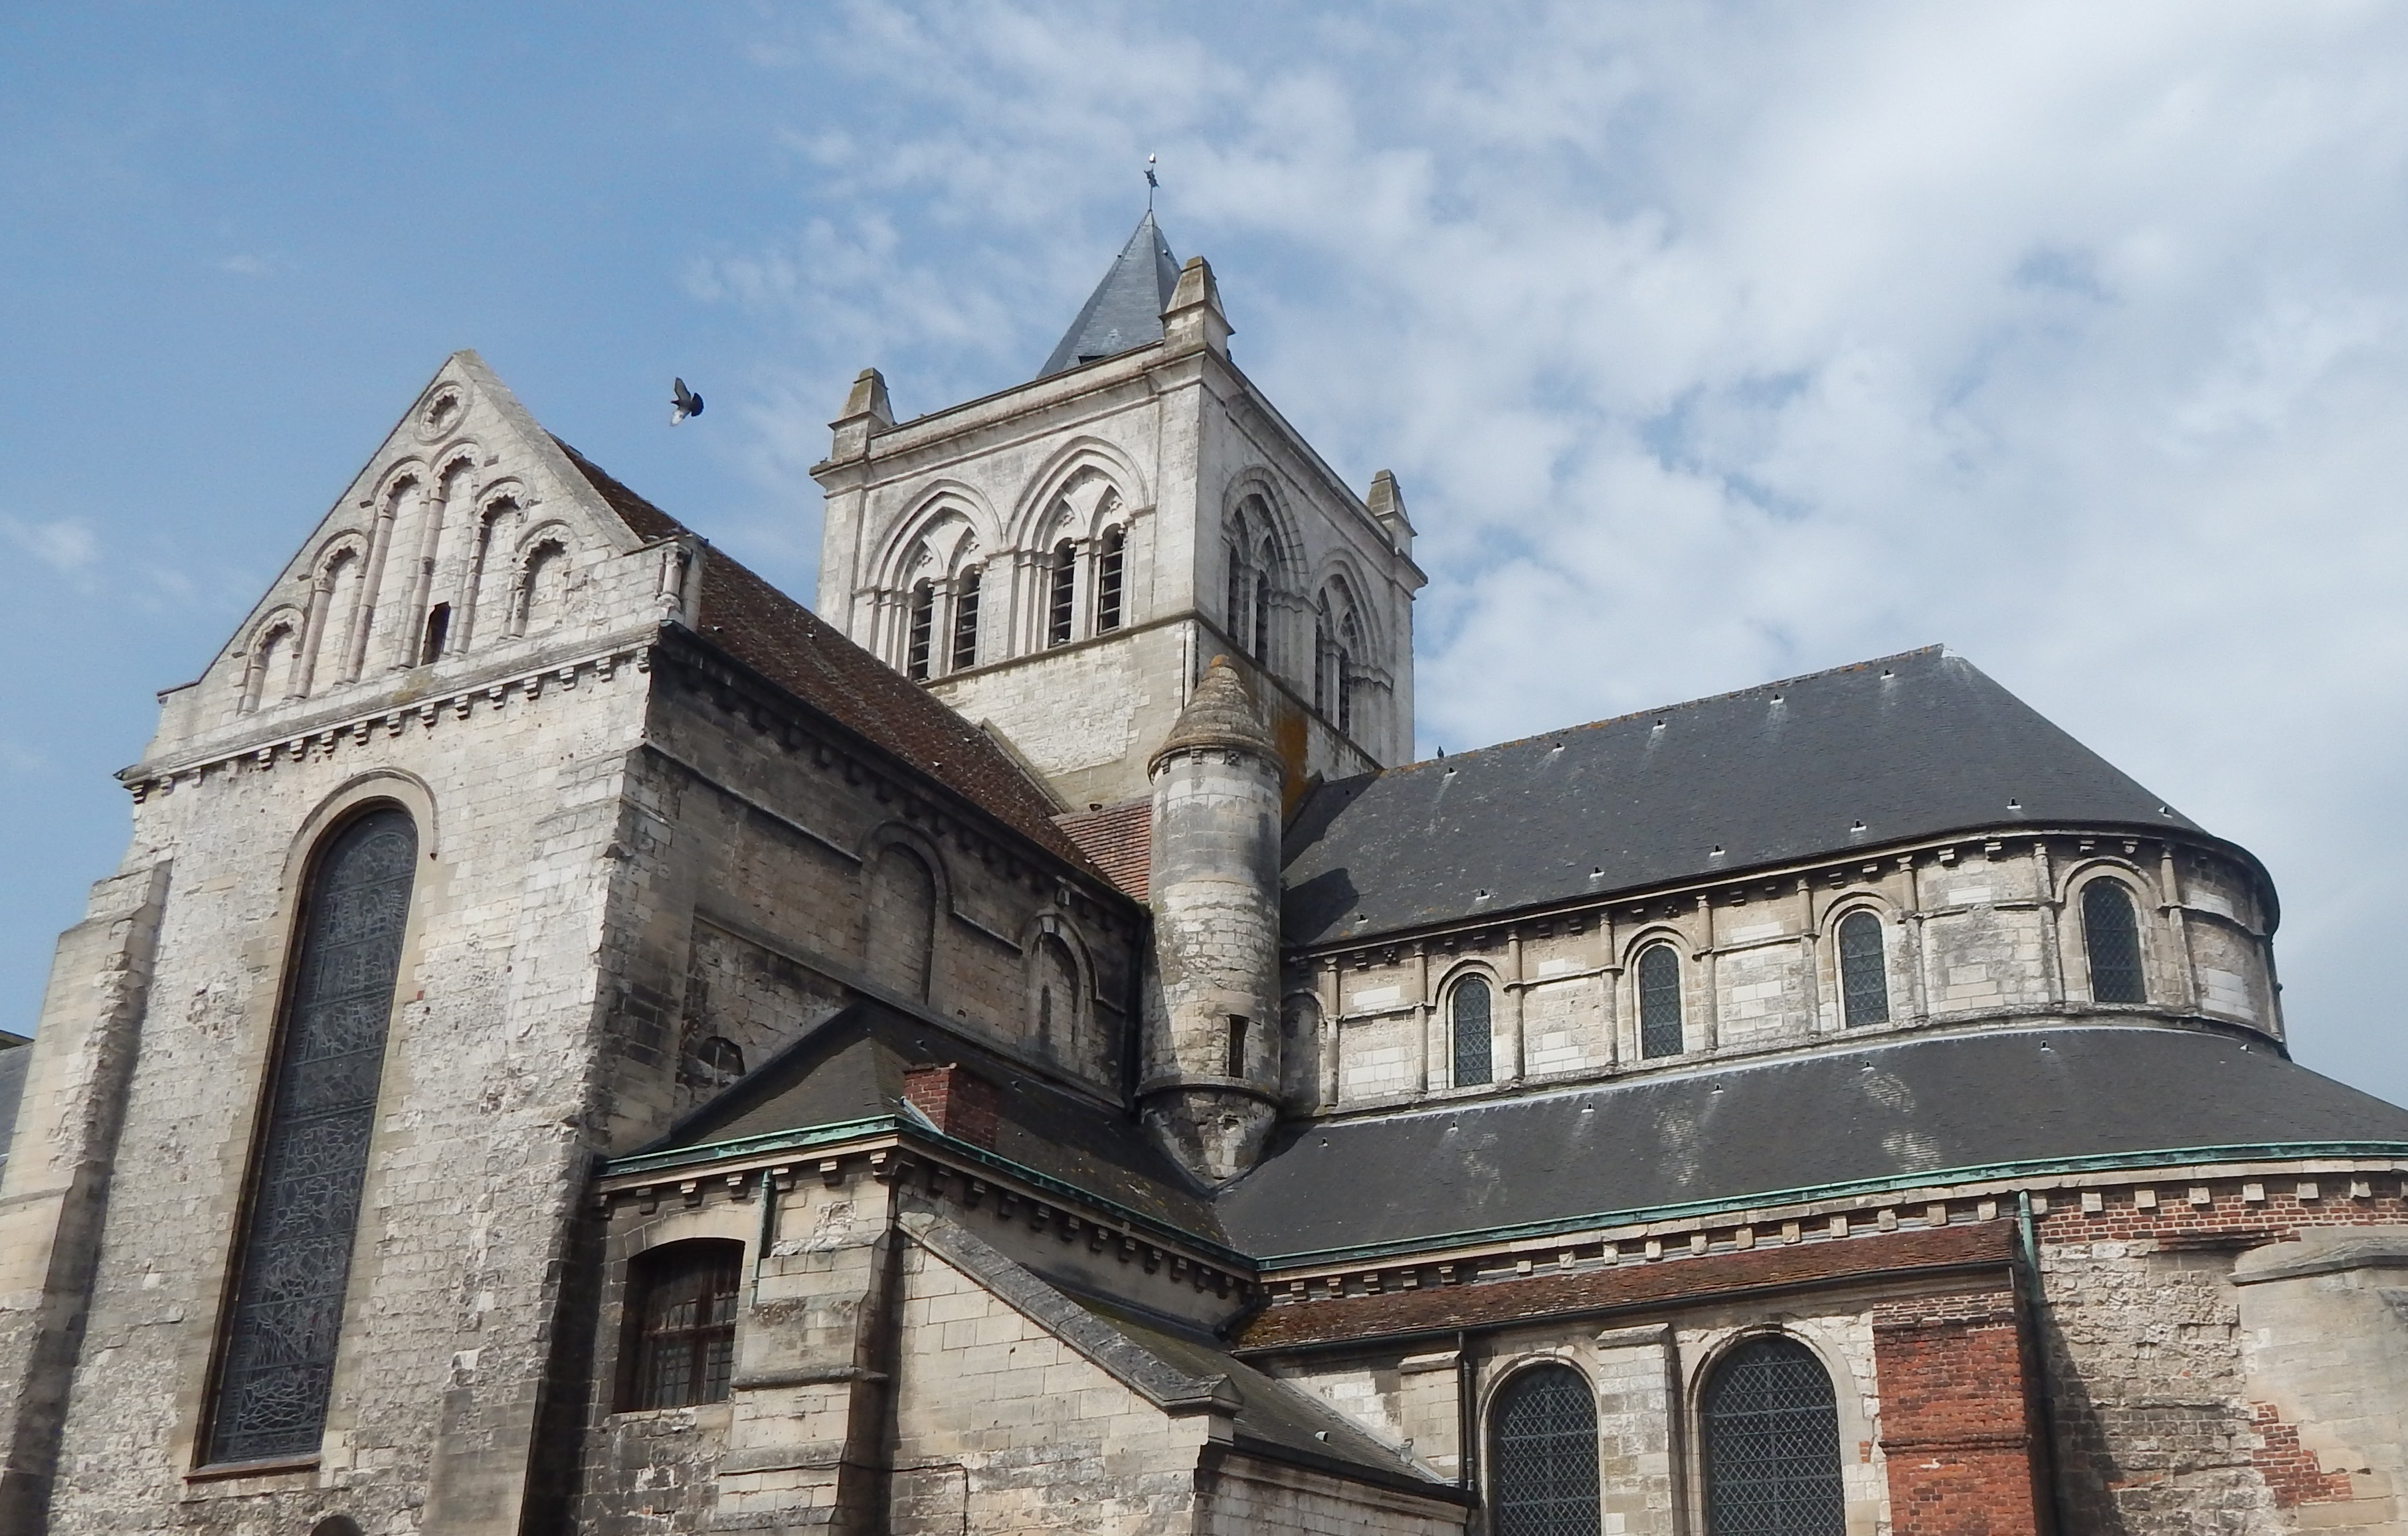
(582, 1042)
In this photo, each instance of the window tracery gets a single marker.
(275, 1363)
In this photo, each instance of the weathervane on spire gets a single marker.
(1150, 183)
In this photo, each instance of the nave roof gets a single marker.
(1911, 746)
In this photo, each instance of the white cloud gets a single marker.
(65, 544)
(1718, 343)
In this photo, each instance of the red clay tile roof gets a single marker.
(1664, 1283)
(776, 637)
(1118, 838)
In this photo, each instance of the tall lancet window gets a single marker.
(966, 621)
(1474, 1052)
(1864, 984)
(1233, 606)
(923, 630)
(1659, 1001)
(1110, 573)
(1062, 584)
(276, 1364)
(2112, 937)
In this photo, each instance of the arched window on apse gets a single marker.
(1659, 1001)
(2111, 937)
(543, 591)
(1864, 978)
(1061, 589)
(269, 678)
(1542, 1472)
(1772, 1445)
(1057, 999)
(966, 620)
(1474, 1041)
(292, 1258)
(682, 1312)
(1111, 577)
(922, 629)
(901, 918)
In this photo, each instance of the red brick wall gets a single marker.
(1956, 1420)
(2291, 1473)
(961, 1103)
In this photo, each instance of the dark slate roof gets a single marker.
(776, 637)
(13, 1061)
(851, 1068)
(1728, 1134)
(1125, 309)
(1911, 746)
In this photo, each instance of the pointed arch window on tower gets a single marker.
(1321, 649)
(966, 620)
(2113, 939)
(1233, 606)
(1350, 645)
(923, 628)
(1109, 573)
(1864, 984)
(1474, 1041)
(1269, 562)
(1659, 1001)
(1061, 588)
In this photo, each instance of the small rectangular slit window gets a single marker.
(1236, 1062)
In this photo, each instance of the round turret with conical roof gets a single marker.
(1212, 1041)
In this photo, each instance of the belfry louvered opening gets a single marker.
(275, 1360)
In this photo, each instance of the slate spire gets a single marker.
(1125, 309)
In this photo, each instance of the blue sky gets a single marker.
(1712, 343)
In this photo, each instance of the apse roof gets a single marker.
(1882, 1115)
(1125, 309)
(1916, 745)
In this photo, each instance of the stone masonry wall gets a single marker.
(1975, 931)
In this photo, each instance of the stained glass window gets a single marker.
(2113, 939)
(1864, 984)
(277, 1357)
(1473, 1052)
(1543, 1455)
(683, 1299)
(1659, 1001)
(1772, 1445)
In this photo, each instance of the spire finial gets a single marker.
(1151, 184)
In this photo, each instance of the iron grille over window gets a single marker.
(277, 1363)
(1474, 1048)
(966, 615)
(923, 621)
(1864, 987)
(1659, 1001)
(1110, 569)
(684, 1306)
(1058, 605)
(1772, 1445)
(1543, 1455)
(2113, 939)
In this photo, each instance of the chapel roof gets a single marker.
(1910, 746)
(1947, 1105)
(1125, 309)
(787, 644)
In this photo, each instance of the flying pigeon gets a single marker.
(683, 402)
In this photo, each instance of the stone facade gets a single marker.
(941, 1037)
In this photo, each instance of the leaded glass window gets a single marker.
(1864, 983)
(1543, 1455)
(1772, 1445)
(2112, 938)
(684, 1301)
(1473, 1039)
(277, 1363)
(1659, 1001)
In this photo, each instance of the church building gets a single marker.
(582, 1042)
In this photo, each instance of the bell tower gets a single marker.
(1058, 560)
